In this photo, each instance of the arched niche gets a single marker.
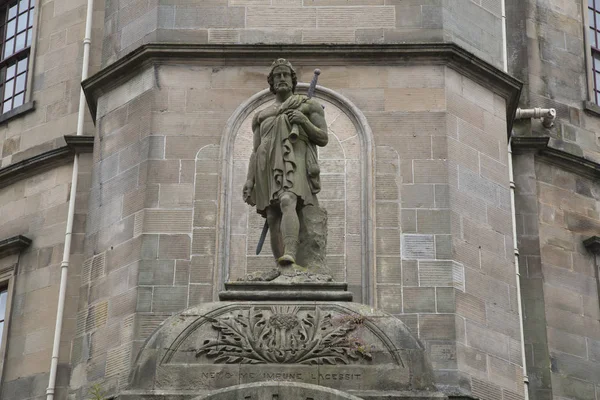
(347, 195)
(277, 390)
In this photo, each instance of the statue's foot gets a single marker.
(286, 260)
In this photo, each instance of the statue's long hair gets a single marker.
(278, 63)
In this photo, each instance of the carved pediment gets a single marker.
(283, 334)
(340, 345)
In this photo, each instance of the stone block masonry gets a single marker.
(438, 188)
(473, 25)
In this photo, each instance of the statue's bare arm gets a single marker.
(312, 121)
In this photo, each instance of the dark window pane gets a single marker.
(7, 106)
(3, 297)
(12, 12)
(10, 29)
(10, 71)
(21, 39)
(18, 101)
(8, 89)
(23, 22)
(22, 65)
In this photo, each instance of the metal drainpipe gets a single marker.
(517, 271)
(71, 213)
(514, 220)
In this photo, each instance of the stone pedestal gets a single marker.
(293, 349)
(273, 291)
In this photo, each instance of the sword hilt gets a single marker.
(313, 83)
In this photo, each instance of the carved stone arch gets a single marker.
(233, 157)
(277, 390)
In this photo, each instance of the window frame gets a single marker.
(592, 97)
(7, 281)
(31, 23)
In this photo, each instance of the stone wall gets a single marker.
(556, 208)
(37, 208)
(473, 25)
(36, 205)
(55, 75)
(558, 211)
(548, 53)
(442, 243)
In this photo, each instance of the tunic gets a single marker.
(283, 166)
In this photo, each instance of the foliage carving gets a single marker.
(282, 336)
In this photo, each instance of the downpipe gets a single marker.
(64, 266)
(513, 216)
(548, 116)
(520, 114)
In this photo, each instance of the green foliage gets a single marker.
(96, 393)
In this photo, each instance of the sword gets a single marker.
(293, 137)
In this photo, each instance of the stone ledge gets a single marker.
(591, 108)
(543, 147)
(32, 165)
(14, 244)
(271, 291)
(17, 111)
(342, 54)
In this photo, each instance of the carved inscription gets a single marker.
(280, 335)
(283, 376)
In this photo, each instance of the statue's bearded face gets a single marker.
(282, 79)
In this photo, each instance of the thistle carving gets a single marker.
(282, 336)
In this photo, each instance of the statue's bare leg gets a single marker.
(274, 221)
(290, 227)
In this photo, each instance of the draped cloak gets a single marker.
(282, 165)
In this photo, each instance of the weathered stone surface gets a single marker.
(313, 239)
(376, 351)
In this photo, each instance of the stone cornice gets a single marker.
(314, 55)
(14, 244)
(32, 165)
(542, 146)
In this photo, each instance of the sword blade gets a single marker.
(263, 236)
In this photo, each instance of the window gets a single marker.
(3, 298)
(16, 31)
(594, 43)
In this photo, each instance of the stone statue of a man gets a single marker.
(283, 174)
